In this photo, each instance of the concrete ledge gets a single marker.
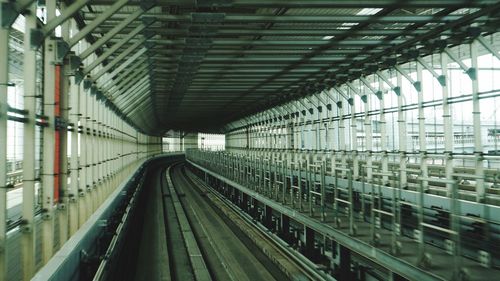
(65, 264)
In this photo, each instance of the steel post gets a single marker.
(49, 140)
(29, 229)
(4, 80)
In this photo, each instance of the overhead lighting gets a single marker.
(347, 25)
(328, 37)
(369, 11)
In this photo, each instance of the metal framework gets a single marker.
(217, 61)
(108, 78)
(59, 191)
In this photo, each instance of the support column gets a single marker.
(345, 272)
(63, 105)
(447, 123)
(4, 77)
(309, 243)
(106, 164)
(354, 138)
(402, 136)
(99, 154)
(49, 141)
(95, 153)
(74, 163)
(383, 139)
(28, 229)
(476, 123)
(341, 133)
(285, 227)
(268, 217)
(421, 129)
(84, 194)
(368, 138)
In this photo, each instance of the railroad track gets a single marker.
(208, 239)
(295, 266)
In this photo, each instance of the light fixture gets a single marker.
(328, 37)
(369, 11)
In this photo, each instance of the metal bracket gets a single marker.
(100, 96)
(46, 214)
(87, 84)
(418, 86)
(62, 49)
(441, 78)
(8, 186)
(36, 38)
(377, 93)
(148, 20)
(74, 62)
(396, 89)
(25, 226)
(472, 72)
(8, 14)
(60, 123)
(364, 98)
(79, 76)
(93, 90)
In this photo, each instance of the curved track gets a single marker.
(187, 235)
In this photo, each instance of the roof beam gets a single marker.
(111, 34)
(96, 22)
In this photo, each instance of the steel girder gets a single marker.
(241, 57)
